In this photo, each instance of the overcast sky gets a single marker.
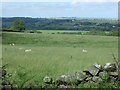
(60, 8)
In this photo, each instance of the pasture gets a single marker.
(55, 54)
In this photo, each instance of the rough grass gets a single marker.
(56, 54)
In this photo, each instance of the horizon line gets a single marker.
(56, 17)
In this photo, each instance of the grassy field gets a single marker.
(56, 54)
(56, 31)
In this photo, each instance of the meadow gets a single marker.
(55, 54)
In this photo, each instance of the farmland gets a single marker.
(55, 54)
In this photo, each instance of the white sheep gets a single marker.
(84, 51)
(28, 50)
(12, 44)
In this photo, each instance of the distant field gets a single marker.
(56, 54)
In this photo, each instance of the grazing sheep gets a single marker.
(28, 50)
(84, 51)
(12, 44)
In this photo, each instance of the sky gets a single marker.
(60, 8)
(59, 0)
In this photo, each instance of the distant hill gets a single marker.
(62, 23)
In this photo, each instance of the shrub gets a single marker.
(96, 32)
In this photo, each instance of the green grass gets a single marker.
(51, 53)
(60, 40)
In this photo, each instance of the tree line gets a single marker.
(61, 24)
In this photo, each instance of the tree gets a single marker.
(19, 25)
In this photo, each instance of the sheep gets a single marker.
(28, 50)
(12, 44)
(84, 51)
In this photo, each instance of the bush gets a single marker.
(114, 33)
(96, 32)
(21, 78)
(8, 30)
(70, 33)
